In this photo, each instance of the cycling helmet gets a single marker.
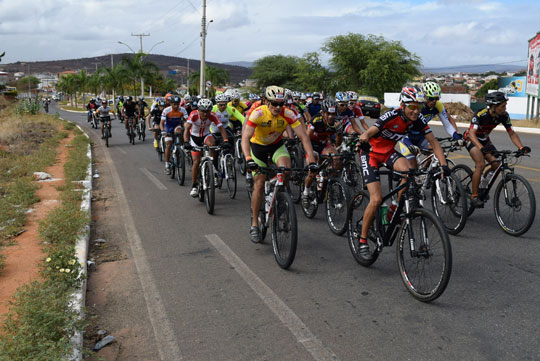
(121, 98)
(496, 98)
(236, 96)
(205, 105)
(308, 95)
(353, 96)
(141, 98)
(161, 103)
(104, 102)
(316, 95)
(342, 97)
(252, 96)
(431, 89)
(329, 105)
(222, 98)
(274, 92)
(175, 99)
(92, 100)
(410, 94)
(303, 96)
(129, 99)
(296, 94)
(187, 98)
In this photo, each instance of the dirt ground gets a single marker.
(23, 257)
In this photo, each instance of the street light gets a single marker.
(153, 46)
(156, 44)
(129, 47)
(202, 84)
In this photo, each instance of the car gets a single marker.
(370, 106)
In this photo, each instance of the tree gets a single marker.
(492, 84)
(278, 70)
(137, 69)
(2, 55)
(216, 76)
(311, 75)
(22, 83)
(371, 64)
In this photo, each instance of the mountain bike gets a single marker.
(107, 130)
(132, 133)
(329, 188)
(351, 173)
(514, 202)
(141, 128)
(278, 212)
(239, 156)
(205, 178)
(448, 196)
(178, 160)
(424, 254)
(227, 171)
(95, 121)
(296, 179)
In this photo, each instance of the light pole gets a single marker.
(153, 46)
(202, 83)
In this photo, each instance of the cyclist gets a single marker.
(172, 120)
(324, 130)
(142, 104)
(382, 137)
(346, 115)
(225, 112)
(104, 116)
(129, 112)
(262, 139)
(240, 106)
(477, 138)
(257, 104)
(315, 106)
(155, 115)
(434, 106)
(301, 112)
(119, 107)
(91, 107)
(358, 114)
(197, 133)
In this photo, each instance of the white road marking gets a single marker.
(154, 180)
(298, 328)
(121, 150)
(163, 332)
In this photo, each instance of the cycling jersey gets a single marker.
(269, 128)
(438, 109)
(142, 105)
(104, 112)
(130, 109)
(345, 118)
(241, 107)
(225, 117)
(173, 118)
(357, 111)
(322, 133)
(484, 123)
(156, 115)
(91, 106)
(314, 109)
(254, 106)
(201, 128)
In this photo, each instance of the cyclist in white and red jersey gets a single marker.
(197, 133)
(358, 114)
(477, 138)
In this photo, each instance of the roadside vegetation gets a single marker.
(40, 324)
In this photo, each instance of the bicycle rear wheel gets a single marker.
(180, 166)
(311, 210)
(449, 202)
(284, 230)
(210, 191)
(464, 174)
(337, 204)
(230, 174)
(352, 175)
(296, 180)
(514, 204)
(107, 135)
(355, 218)
(426, 270)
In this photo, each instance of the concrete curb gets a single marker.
(78, 298)
(73, 111)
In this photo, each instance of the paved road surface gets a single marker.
(213, 295)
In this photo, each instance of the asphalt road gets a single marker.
(213, 295)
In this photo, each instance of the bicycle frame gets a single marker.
(275, 183)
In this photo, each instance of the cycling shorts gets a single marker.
(470, 145)
(199, 142)
(421, 143)
(261, 153)
(105, 119)
(170, 126)
(371, 161)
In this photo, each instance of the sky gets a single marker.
(441, 32)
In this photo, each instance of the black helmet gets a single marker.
(129, 99)
(496, 98)
(329, 105)
(121, 98)
(175, 99)
(316, 95)
(162, 103)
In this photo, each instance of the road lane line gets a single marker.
(154, 180)
(528, 168)
(298, 328)
(121, 151)
(166, 343)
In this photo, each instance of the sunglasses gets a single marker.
(342, 104)
(221, 104)
(415, 106)
(277, 104)
(295, 99)
(432, 98)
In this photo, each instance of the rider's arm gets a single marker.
(355, 127)
(371, 132)
(187, 131)
(247, 133)
(148, 120)
(234, 112)
(437, 150)
(449, 123)
(300, 131)
(515, 139)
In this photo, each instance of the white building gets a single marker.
(3, 78)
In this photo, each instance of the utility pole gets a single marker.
(140, 40)
(187, 80)
(113, 92)
(96, 64)
(28, 76)
(202, 83)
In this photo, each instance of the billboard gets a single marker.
(513, 86)
(533, 66)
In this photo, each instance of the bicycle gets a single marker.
(178, 160)
(351, 173)
(296, 179)
(513, 191)
(205, 178)
(239, 156)
(329, 188)
(278, 212)
(94, 122)
(107, 130)
(448, 196)
(131, 129)
(141, 128)
(226, 170)
(424, 254)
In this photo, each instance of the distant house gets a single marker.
(3, 78)
(64, 73)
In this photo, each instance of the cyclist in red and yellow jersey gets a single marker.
(262, 139)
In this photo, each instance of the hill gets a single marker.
(475, 69)
(165, 63)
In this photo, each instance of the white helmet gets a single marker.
(222, 98)
(236, 96)
(205, 104)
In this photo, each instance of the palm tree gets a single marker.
(82, 80)
(217, 76)
(138, 69)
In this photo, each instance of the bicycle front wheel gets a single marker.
(284, 230)
(337, 205)
(514, 204)
(180, 166)
(107, 135)
(355, 218)
(449, 202)
(352, 175)
(230, 174)
(464, 174)
(296, 179)
(311, 206)
(210, 191)
(424, 255)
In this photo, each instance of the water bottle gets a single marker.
(384, 212)
(320, 180)
(391, 211)
(485, 179)
(267, 196)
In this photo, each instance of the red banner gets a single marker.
(533, 67)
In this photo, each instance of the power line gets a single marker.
(193, 6)
(187, 46)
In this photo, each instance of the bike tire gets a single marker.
(107, 136)
(172, 164)
(355, 216)
(453, 214)
(311, 210)
(210, 191)
(464, 174)
(230, 175)
(159, 150)
(515, 205)
(143, 131)
(284, 230)
(337, 206)
(425, 275)
(352, 175)
(296, 180)
(180, 166)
